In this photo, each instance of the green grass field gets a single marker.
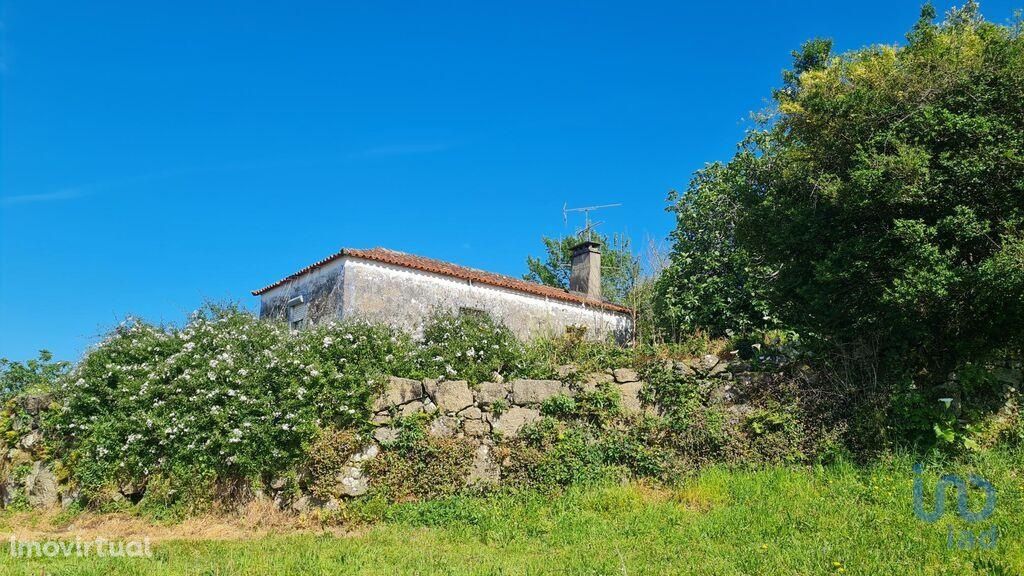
(840, 519)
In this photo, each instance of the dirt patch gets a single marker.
(257, 520)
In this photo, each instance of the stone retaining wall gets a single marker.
(486, 415)
(25, 477)
(491, 412)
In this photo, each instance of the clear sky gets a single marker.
(154, 155)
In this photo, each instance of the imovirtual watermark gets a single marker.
(78, 548)
(982, 538)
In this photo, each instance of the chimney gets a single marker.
(586, 269)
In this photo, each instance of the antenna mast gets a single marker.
(587, 232)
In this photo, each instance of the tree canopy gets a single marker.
(711, 283)
(620, 269)
(881, 199)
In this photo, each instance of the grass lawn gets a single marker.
(840, 519)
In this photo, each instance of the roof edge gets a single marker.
(461, 272)
(307, 269)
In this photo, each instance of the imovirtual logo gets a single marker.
(969, 539)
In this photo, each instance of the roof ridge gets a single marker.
(445, 268)
(463, 266)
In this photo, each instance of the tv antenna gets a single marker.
(588, 230)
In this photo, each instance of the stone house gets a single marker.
(403, 290)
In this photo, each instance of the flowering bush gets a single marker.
(226, 399)
(228, 403)
(472, 347)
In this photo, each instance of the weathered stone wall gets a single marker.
(486, 415)
(494, 412)
(26, 478)
(352, 288)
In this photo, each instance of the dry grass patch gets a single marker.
(256, 520)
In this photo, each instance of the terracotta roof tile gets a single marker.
(422, 264)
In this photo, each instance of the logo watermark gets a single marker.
(78, 548)
(983, 539)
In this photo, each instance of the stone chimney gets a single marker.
(586, 269)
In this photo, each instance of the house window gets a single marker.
(297, 315)
(472, 312)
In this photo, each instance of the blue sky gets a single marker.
(154, 155)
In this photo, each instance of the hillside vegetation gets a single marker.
(836, 520)
(844, 299)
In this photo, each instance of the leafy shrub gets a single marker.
(712, 285)
(694, 425)
(638, 450)
(559, 406)
(974, 410)
(500, 406)
(775, 434)
(328, 453)
(599, 407)
(551, 454)
(572, 349)
(232, 401)
(228, 398)
(41, 373)
(471, 346)
(347, 364)
(418, 466)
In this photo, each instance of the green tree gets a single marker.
(710, 284)
(886, 191)
(42, 372)
(620, 268)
